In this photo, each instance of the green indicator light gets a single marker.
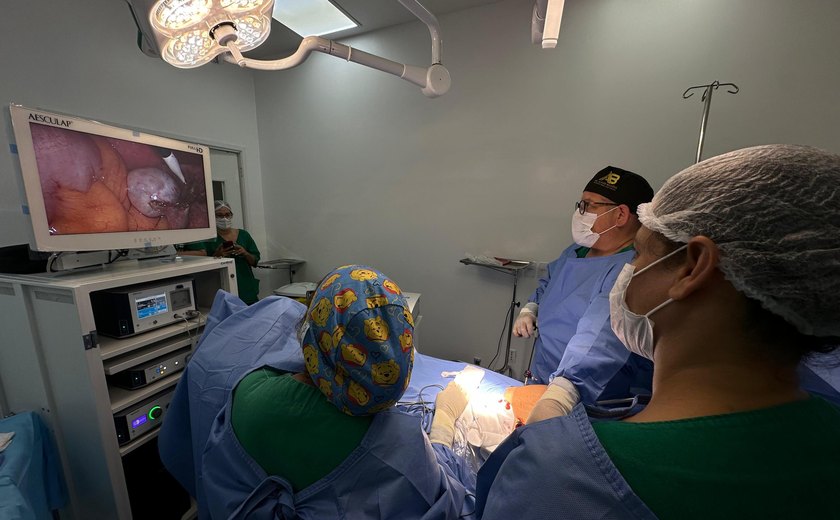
(155, 412)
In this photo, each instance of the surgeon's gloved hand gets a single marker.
(526, 323)
(559, 399)
(449, 405)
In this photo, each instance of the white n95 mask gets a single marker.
(224, 223)
(582, 232)
(634, 330)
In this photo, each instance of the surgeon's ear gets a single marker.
(623, 215)
(699, 270)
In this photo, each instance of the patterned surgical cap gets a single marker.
(359, 345)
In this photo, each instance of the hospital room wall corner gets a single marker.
(494, 166)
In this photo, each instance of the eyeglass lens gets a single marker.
(582, 205)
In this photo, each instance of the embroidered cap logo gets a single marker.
(611, 178)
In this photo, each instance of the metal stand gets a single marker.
(513, 268)
(283, 263)
(707, 103)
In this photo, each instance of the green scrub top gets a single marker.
(581, 252)
(290, 429)
(246, 283)
(778, 462)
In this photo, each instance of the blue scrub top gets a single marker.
(394, 473)
(237, 339)
(819, 374)
(555, 469)
(575, 338)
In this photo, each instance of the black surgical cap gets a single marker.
(621, 187)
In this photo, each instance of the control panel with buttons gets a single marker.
(142, 418)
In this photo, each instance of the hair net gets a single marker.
(219, 204)
(773, 212)
(358, 348)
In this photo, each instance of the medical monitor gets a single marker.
(91, 186)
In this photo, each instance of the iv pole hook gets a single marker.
(707, 103)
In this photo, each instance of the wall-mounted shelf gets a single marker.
(513, 268)
(504, 266)
(283, 263)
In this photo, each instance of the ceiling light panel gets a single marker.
(311, 17)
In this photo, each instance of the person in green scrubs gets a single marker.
(735, 282)
(231, 242)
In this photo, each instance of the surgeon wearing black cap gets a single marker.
(576, 350)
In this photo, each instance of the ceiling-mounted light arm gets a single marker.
(545, 22)
(306, 47)
(538, 21)
(434, 80)
(192, 33)
(431, 22)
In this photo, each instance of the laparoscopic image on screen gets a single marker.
(97, 184)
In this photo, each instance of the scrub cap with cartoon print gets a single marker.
(358, 347)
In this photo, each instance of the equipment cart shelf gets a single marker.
(55, 363)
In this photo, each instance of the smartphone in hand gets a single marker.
(228, 244)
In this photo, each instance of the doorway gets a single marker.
(227, 174)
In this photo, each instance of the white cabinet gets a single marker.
(52, 361)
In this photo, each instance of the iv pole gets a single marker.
(707, 103)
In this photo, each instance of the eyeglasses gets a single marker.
(581, 205)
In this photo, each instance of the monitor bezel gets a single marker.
(34, 206)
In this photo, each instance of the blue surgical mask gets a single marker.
(224, 223)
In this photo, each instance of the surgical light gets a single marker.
(194, 32)
(188, 27)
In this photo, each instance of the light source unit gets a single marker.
(194, 32)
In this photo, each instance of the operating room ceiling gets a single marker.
(369, 14)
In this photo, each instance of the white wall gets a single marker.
(360, 167)
(81, 58)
